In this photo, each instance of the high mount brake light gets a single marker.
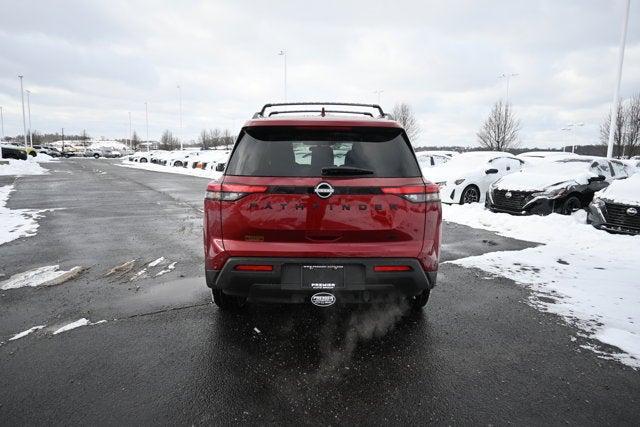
(415, 193)
(232, 192)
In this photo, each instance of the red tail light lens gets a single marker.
(415, 193)
(390, 268)
(251, 267)
(232, 192)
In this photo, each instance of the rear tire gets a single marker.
(417, 302)
(95, 156)
(227, 302)
(571, 205)
(471, 194)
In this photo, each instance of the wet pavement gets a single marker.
(477, 354)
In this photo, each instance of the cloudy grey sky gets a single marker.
(88, 63)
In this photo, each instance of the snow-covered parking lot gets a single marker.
(589, 277)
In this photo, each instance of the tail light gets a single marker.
(415, 193)
(232, 192)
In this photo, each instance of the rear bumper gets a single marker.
(284, 284)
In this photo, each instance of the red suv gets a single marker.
(324, 208)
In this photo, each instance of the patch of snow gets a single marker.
(27, 332)
(257, 331)
(156, 262)
(169, 268)
(585, 275)
(139, 275)
(73, 325)
(538, 176)
(31, 166)
(15, 223)
(170, 169)
(43, 276)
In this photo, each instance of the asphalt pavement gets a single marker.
(165, 355)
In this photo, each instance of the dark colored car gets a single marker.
(617, 208)
(321, 209)
(561, 185)
(13, 152)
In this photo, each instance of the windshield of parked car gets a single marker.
(302, 151)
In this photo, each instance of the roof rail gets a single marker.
(261, 113)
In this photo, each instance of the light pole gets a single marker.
(29, 110)
(24, 122)
(130, 143)
(507, 77)
(283, 53)
(378, 92)
(616, 89)
(146, 118)
(572, 127)
(180, 97)
(2, 122)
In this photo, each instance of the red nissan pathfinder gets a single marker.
(321, 203)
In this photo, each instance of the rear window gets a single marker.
(290, 151)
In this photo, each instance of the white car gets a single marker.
(429, 159)
(467, 177)
(209, 159)
(537, 156)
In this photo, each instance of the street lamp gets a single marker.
(2, 122)
(283, 53)
(130, 142)
(24, 122)
(180, 97)
(507, 77)
(378, 92)
(29, 109)
(572, 127)
(146, 117)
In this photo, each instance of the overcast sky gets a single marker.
(88, 63)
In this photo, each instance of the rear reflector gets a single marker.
(386, 268)
(250, 267)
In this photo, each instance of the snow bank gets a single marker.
(168, 169)
(587, 276)
(31, 166)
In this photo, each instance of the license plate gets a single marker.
(320, 276)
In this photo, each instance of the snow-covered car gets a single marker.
(467, 177)
(429, 159)
(101, 152)
(561, 185)
(617, 208)
(209, 159)
(162, 157)
(538, 156)
(179, 158)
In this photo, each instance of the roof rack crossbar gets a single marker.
(363, 113)
(343, 104)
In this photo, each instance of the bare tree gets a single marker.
(500, 130)
(168, 141)
(227, 139)
(403, 113)
(632, 126)
(135, 140)
(618, 135)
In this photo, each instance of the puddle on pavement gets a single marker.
(163, 296)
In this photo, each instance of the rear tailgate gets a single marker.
(285, 217)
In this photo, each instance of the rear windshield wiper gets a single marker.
(346, 170)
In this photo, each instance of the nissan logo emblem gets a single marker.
(324, 190)
(632, 211)
(508, 194)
